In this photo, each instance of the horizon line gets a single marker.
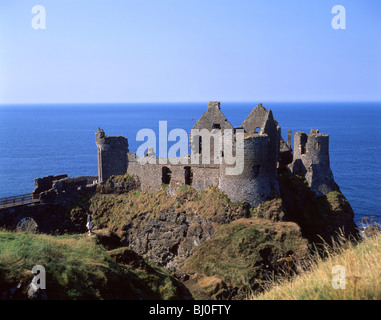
(185, 102)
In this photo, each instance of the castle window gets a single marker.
(256, 171)
(216, 126)
(317, 146)
(166, 175)
(303, 148)
(258, 130)
(188, 175)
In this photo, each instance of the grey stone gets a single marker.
(27, 225)
(265, 154)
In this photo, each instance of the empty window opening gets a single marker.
(216, 126)
(257, 130)
(166, 175)
(199, 145)
(188, 176)
(303, 148)
(256, 170)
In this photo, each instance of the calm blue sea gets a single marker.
(36, 141)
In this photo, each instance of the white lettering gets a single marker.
(39, 20)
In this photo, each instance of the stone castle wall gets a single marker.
(153, 176)
(265, 153)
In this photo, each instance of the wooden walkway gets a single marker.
(20, 200)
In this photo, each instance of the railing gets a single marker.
(20, 200)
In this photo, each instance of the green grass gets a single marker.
(239, 252)
(77, 268)
(112, 211)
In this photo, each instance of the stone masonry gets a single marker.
(265, 154)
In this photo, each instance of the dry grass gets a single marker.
(362, 263)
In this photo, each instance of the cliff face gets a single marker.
(162, 228)
(216, 247)
(319, 218)
(204, 235)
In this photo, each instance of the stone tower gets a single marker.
(214, 121)
(311, 159)
(262, 121)
(258, 180)
(112, 155)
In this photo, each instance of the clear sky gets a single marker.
(189, 50)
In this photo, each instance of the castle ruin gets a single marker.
(265, 155)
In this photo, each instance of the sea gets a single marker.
(50, 139)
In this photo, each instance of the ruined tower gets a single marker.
(311, 159)
(258, 180)
(112, 155)
(214, 122)
(262, 121)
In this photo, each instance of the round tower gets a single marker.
(318, 148)
(319, 175)
(311, 158)
(257, 181)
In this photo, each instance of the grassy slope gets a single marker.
(240, 252)
(237, 254)
(363, 276)
(77, 268)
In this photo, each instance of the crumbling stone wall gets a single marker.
(65, 191)
(153, 176)
(265, 152)
(112, 155)
(311, 159)
(45, 183)
(215, 122)
(150, 175)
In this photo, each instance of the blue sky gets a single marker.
(95, 51)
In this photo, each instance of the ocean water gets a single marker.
(41, 140)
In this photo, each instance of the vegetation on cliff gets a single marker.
(247, 253)
(146, 243)
(361, 261)
(77, 268)
(319, 218)
(114, 210)
(219, 247)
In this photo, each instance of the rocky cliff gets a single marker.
(217, 248)
(204, 237)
